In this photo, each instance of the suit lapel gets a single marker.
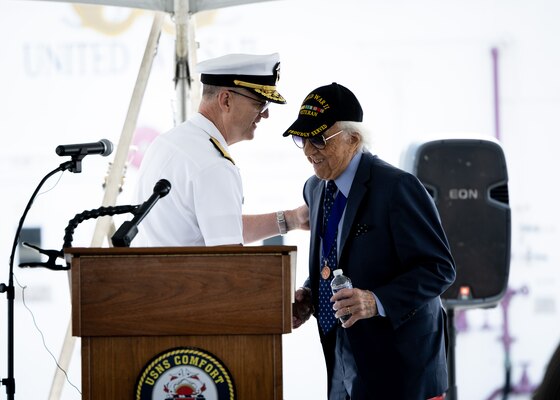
(316, 215)
(357, 192)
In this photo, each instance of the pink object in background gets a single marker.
(143, 136)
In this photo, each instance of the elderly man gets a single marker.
(204, 206)
(379, 225)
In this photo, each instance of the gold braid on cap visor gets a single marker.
(265, 90)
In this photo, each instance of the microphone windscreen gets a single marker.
(108, 147)
(162, 187)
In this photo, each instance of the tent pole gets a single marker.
(185, 60)
(117, 169)
(113, 183)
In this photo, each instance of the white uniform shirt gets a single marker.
(204, 205)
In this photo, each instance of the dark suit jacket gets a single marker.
(393, 244)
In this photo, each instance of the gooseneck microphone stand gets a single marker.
(89, 214)
(128, 230)
(74, 166)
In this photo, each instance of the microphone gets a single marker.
(103, 147)
(128, 230)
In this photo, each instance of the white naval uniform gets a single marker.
(204, 205)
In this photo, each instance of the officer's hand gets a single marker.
(298, 218)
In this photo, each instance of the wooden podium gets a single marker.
(131, 304)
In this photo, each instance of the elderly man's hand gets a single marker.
(302, 308)
(360, 304)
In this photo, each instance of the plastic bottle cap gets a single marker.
(337, 272)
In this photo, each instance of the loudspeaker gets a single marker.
(467, 178)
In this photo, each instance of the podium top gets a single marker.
(177, 291)
(113, 251)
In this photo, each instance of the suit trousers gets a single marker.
(345, 383)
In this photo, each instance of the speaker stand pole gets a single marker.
(452, 391)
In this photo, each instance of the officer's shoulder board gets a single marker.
(222, 151)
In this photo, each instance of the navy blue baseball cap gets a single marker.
(322, 108)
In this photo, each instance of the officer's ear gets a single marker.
(224, 99)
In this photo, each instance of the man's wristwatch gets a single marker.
(282, 225)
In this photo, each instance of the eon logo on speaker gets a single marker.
(463, 194)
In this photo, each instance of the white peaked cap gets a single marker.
(256, 73)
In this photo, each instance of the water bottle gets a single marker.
(341, 281)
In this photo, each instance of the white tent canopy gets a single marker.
(169, 6)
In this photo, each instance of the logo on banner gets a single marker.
(185, 373)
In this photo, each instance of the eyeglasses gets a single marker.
(263, 105)
(319, 142)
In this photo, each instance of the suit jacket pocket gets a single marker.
(361, 229)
